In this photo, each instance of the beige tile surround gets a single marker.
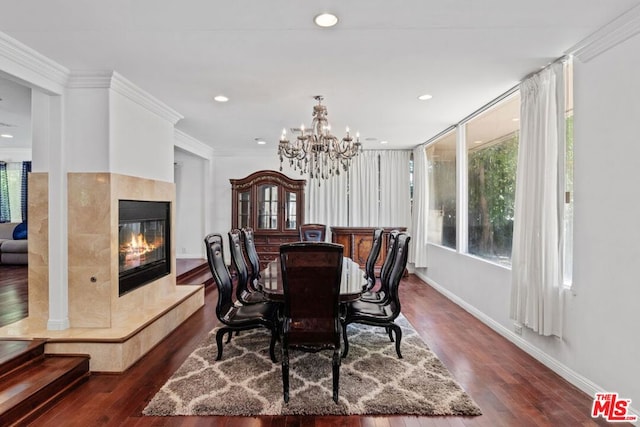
(115, 331)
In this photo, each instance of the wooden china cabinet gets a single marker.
(273, 205)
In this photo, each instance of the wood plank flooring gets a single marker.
(511, 388)
(13, 293)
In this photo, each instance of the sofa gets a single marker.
(13, 243)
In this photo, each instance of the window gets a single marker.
(492, 157)
(441, 159)
(11, 191)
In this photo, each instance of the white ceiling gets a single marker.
(270, 59)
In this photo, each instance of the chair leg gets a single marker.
(272, 344)
(336, 374)
(398, 332)
(229, 336)
(285, 374)
(346, 341)
(388, 329)
(219, 336)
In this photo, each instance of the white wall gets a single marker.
(141, 142)
(190, 176)
(606, 313)
(600, 348)
(87, 132)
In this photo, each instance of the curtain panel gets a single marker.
(420, 209)
(5, 211)
(327, 200)
(364, 190)
(395, 190)
(537, 277)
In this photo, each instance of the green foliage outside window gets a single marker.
(492, 184)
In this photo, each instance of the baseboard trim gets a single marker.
(581, 382)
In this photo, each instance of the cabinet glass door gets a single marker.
(290, 214)
(268, 207)
(244, 209)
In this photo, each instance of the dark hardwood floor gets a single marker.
(511, 388)
(13, 293)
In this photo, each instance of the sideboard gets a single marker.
(357, 242)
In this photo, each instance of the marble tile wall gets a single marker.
(93, 247)
(38, 236)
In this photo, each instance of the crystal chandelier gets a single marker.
(316, 151)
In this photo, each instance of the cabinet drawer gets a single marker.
(268, 249)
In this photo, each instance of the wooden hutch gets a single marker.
(273, 205)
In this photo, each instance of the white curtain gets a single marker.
(364, 190)
(395, 194)
(327, 203)
(537, 279)
(420, 211)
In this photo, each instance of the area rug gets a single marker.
(373, 380)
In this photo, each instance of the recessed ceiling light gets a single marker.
(326, 20)
(220, 98)
(383, 142)
(6, 135)
(425, 97)
(477, 141)
(515, 119)
(260, 141)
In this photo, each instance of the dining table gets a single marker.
(352, 281)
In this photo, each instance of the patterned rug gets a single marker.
(373, 380)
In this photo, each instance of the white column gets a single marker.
(48, 149)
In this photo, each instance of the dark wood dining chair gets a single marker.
(372, 258)
(236, 317)
(312, 232)
(244, 293)
(311, 275)
(383, 315)
(380, 296)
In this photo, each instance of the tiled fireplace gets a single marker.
(143, 242)
(114, 326)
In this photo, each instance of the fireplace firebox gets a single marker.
(144, 243)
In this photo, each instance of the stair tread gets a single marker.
(35, 377)
(9, 349)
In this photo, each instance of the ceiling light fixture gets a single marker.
(326, 20)
(316, 150)
(425, 97)
(220, 98)
(260, 141)
(384, 142)
(6, 135)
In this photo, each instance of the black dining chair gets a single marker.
(372, 258)
(244, 294)
(248, 238)
(236, 317)
(311, 275)
(383, 315)
(380, 295)
(312, 232)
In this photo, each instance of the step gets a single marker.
(30, 381)
(196, 276)
(15, 353)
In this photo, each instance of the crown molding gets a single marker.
(25, 64)
(116, 82)
(192, 145)
(620, 29)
